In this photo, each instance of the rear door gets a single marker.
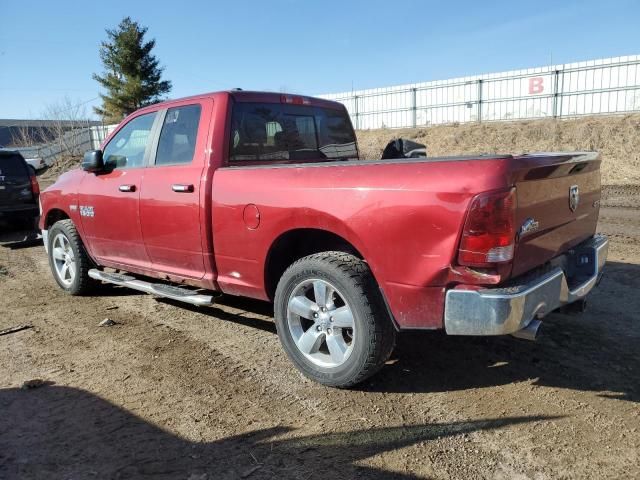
(172, 197)
(109, 200)
(15, 182)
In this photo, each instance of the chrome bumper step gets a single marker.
(159, 289)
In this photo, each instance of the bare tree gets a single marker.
(24, 136)
(65, 132)
(68, 126)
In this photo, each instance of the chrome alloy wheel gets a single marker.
(321, 323)
(64, 260)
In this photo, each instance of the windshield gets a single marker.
(283, 132)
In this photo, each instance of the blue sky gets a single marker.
(49, 49)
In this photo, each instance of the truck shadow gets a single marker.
(244, 311)
(595, 351)
(63, 432)
(14, 238)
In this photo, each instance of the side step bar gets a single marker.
(160, 289)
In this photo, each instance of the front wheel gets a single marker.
(68, 259)
(331, 319)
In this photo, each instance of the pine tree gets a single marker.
(132, 76)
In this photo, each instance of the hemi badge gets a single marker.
(73, 207)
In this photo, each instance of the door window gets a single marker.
(126, 149)
(177, 141)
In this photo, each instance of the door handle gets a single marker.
(182, 188)
(127, 188)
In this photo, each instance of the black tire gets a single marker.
(81, 283)
(375, 334)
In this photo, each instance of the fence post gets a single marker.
(355, 111)
(555, 93)
(561, 93)
(414, 107)
(479, 100)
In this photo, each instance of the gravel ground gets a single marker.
(175, 392)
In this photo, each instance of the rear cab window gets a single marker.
(12, 166)
(285, 133)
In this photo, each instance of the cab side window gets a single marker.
(126, 149)
(177, 141)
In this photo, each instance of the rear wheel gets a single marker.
(68, 259)
(331, 319)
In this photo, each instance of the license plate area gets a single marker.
(578, 264)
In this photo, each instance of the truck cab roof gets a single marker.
(257, 96)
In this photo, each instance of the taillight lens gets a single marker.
(489, 236)
(35, 186)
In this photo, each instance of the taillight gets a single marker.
(35, 186)
(488, 236)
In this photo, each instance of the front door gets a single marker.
(109, 200)
(171, 197)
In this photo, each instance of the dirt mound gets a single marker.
(60, 166)
(617, 138)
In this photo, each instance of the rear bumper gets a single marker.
(500, 311)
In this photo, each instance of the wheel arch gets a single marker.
(297, 243)
(55, 215)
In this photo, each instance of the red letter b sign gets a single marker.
(535, 85)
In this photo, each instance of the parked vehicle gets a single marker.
(19, 190)
(263, 195)
(38, 163)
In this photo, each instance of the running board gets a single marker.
(160, 289)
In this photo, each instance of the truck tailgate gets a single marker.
(558, 198)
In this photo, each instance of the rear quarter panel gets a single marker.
(404, 218)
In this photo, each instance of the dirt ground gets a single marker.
(186, 393)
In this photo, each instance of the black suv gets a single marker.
(19, 190)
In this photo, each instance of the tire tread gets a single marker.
(382, 338)
(85, 284)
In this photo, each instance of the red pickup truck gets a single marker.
(263, 195)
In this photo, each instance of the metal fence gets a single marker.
(607, 86)
(72, 143)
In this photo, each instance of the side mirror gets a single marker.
(92, 161)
